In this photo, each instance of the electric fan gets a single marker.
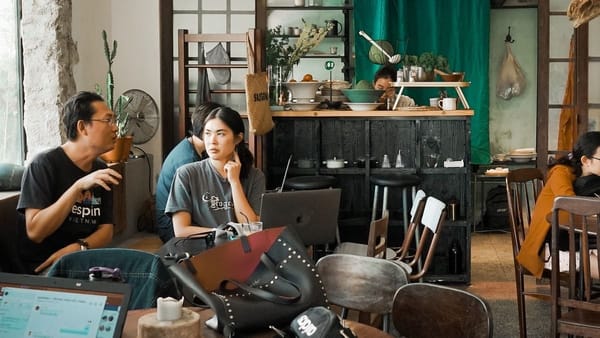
(142, 113)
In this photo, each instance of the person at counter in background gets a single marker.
(223, 188)
(583, 161)
(190, 149)
(383, 81)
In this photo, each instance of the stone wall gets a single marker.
(49, 54)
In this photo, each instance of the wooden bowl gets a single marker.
(452, 77)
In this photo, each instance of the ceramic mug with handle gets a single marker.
(336, 27)
(447, 103)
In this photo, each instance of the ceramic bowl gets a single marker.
(358, 106)
(303, 89)
(362, 95)
(303, 106)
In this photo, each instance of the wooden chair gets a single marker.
(429, 220)
(575, 312)
(377, 242)
(361, 283)
(522, 189)
(423, 310)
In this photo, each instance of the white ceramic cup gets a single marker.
(434, 102)
(447, 103)
(333, 50)
(299, 3)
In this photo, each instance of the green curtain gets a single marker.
(458, 29)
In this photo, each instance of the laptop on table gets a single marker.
(38, 306)
(313, 214)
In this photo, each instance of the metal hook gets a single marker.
(508, 37)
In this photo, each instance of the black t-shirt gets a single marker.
(46, 178)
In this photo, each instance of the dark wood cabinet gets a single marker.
(421, 136)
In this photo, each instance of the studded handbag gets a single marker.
(255, 281)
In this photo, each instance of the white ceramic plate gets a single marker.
(357, 106)
(522, 158)
(303, 106)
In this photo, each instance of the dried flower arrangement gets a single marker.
(281, 53)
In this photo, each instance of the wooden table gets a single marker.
(130, 329)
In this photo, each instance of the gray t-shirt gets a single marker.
(200, 190)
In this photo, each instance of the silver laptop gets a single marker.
(313, 214)
(38, 306)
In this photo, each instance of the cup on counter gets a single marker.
(252, 227)
(333, 50)
(255, 226)
(299, 3)
(447, 103)
(434, 102)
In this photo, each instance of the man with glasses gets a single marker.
(66, 195)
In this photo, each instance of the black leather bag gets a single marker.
(255, 281)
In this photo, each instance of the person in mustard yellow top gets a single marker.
(584, 160)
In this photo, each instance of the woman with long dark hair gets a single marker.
(583, 161)
(223, 188)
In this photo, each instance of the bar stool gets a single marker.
(404, 181)
(310, 182)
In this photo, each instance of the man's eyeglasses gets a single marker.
(111, 121)
(595, 158)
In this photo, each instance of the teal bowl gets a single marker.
(363, 95)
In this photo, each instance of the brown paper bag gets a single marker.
(257, 102)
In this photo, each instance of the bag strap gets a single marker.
(268, 295)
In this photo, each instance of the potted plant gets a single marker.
(123, 143)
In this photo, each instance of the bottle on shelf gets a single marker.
(399, 163)
(386, 162)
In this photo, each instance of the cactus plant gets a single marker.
(121, 117)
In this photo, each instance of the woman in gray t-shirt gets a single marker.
(223, 188)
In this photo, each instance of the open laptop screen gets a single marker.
(313, 214)
(37, 306)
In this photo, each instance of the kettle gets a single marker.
(336, 27)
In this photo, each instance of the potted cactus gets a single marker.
(123, 143)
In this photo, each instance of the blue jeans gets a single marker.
(145, 272)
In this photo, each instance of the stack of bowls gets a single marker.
(303, 95)
(363, 99)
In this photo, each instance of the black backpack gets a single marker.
(496, 209)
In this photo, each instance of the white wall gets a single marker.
(134, 24)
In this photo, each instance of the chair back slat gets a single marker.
(423, 310)
(378, 231)
(523, 187)
(361, 283)
(430, 223)
(573, 312)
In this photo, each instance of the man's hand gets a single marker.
(56, 255)
(103, 178)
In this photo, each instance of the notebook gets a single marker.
(313, 214)
(38, 306)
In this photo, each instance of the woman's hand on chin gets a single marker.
(233, 168)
